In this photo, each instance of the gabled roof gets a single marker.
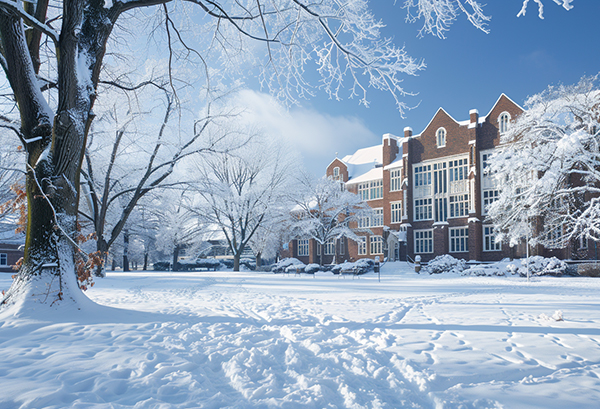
(498, 100)
(434, 116)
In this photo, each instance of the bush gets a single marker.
(445, 264)
(281, 266)
(363, 266)
(541, 266)
(312, 268)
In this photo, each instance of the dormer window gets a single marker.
(441, 137)
(503, 122)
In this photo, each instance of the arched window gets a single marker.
(336, 173)
(441, 137)
(503, 122)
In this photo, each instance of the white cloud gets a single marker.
(317, 136)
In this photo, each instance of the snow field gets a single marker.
(241, 340)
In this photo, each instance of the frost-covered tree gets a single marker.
(241, 190)
(67, 41)
(126, 158)
(548, 168)
(325, 211)
(272, 233)
(178, 225)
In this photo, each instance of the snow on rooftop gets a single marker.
(373, 174)
(372, 154)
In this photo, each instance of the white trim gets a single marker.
(437, 137)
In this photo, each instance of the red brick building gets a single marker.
(429, 193)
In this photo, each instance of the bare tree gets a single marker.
(326, 212)
(242, 189)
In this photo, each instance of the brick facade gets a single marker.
(438, 177)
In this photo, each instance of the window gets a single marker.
(423, 241)
(503, 122)
(362, 246)
(489, 241)
(395, 180)
(377, 217)
(342, 245)
(423, 209)
(459, 205)
(336, 173)
(376, 244)
(441, 209)
(3, 259)
(364, 222)
(330, 247)
(422, 175)
(458, 170)
(485, 160)
(376, 189)
(459, 240)
(318, 249)
(441, 137)
(363, 191)
(555, 234)
(303, 247)
(396, 208)
(489, 197)
(582, 243)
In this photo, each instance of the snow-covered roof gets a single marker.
(397, 163)
(373, 174)
(372, 154)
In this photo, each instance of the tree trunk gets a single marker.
(258, 261)
(175, 261)
(236, 261)
(102, 247)
(125, 250)
(145, 261)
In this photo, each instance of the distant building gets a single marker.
(429, 193)
(11, 248)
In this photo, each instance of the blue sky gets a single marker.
(469, 69)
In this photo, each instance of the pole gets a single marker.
(527, 253)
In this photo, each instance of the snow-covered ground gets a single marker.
(245, 340)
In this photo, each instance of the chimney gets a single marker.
(390, 148)
(474, 117)
(408, 132)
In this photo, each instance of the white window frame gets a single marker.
(458, 239)
(489, 241)
(503, 122)
(423, 209)
(377, 217)
(336, 173)
(396, 212)
(363, 191)
(440, 137)
(330, 247)
(342, 243)
(362, 246)
(423, 240)
(303, 247)
(459, 206)
(395, 180)
(492, 196)
(376, 189)
(364, 222)
(376, 244)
